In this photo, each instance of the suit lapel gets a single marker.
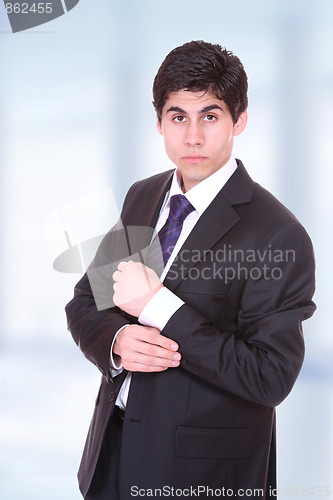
(214, 223)
(144, 214)
(158, 199)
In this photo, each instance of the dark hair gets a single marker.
(200, 65)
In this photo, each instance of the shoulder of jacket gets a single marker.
(153, 180)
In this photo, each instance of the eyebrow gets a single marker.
(202, 111)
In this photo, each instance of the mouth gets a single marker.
(194, 158)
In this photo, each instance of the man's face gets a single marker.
(198, 134)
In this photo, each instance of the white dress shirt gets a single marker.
(165, 303)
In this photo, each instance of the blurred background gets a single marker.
(76, 120)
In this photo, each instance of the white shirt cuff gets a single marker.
(116, 366)
(160, 308)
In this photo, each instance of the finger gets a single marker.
(148, 363)
(147, 366)
(138, 367)
(121, 266)
(124, 264)
(155, 354)
(131, 337)
(116, 276)
(152, 336)
(134, 350)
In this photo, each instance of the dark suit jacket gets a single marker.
(211, 421)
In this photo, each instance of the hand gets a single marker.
(144, 349)
(134, 286)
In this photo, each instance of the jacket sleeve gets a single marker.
(93, 330)
(92, 318)
(260, 361)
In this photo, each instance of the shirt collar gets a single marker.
(201, 195)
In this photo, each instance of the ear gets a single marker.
(159, 126)
(241, 123)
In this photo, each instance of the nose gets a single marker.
(193, 134)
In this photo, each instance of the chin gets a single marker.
(191, 181)
(197, 175)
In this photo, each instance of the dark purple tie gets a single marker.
(180, 208)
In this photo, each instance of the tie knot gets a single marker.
(180, 207)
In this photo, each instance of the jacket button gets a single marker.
(111, 397)
(183, 362)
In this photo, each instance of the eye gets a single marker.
(209, 118)
(179, 119)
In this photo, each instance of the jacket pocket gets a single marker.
(198, 442)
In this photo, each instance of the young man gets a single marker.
(195, 359)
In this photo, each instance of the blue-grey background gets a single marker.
(76, 118)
